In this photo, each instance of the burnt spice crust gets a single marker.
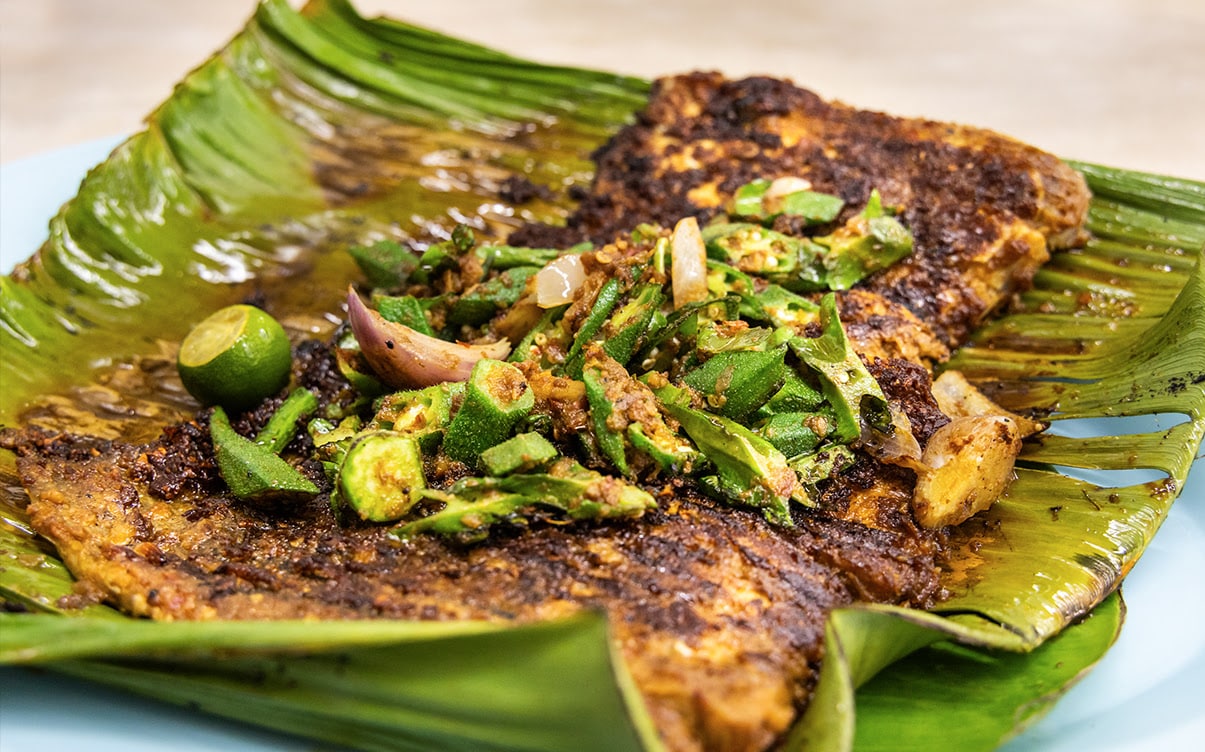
(984, 209)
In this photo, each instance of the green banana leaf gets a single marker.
(317, 129)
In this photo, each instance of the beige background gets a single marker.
(1114, 81)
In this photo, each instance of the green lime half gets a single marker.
(235, 358)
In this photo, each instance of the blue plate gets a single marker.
(1145, 694)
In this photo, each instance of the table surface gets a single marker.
(1115, 81)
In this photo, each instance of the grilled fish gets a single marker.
(985, 210)
(719, 614)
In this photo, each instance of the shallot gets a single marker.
(406, 359)
(689, 267)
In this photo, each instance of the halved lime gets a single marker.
(235, 358)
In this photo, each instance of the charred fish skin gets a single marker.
(985, 210)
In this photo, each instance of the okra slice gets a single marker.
(472, 505)
(763, 303)
(719, 337)
(482, 302)
(282, 426)
(406, 310)
(671, 453)
(354, 366)
(735, 384)
(667, 338)
(580, 493)
(509, 256)
(629, 428)
(331, 441)
(794, 434)
(531, 345)
(794, 263)
(624, 331)
(795, 396)
(784, 308)
(732, 491)
(421, 413)
(750, 471)
(382, 475)
(466, 520)
(822, 464)
(747, 201)
(518, 454)
(610, 440)
(385, 264)
(754, 200)
(253, 472)
(496, 398)
(869, 241)
(814, 207)
(604, 303)
(855, 396)
(437, 258)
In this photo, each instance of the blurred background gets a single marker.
(1115, 81)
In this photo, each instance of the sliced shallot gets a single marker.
(403, 358)
(899, 447)
(689, 268)
(558, 282)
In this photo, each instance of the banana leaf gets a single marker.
(317, 129)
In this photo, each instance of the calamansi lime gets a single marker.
(235, 358)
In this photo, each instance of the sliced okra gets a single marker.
(472, 505)
(483, 301)
(624, 331)
(667, 338)
(796, 395)
(737, 383)
(332, 440)
(794, 263)
(282, 426)
(768, 303)
(756, 201)
(385, 264)
(813, 206)
(518, 454)
(421, 413)
(545, 327)
(496, 398)
(382, 475)
(750, 472)
(609, 440)
(823, 463)
(467, 520)
(406, 310)
(855, 396)
(252, 471)
(869, 241)
(794, 434)
(509, 256)
(671, 453)
(352, 364)
(604, 303)
(435, 259)
(720, 337)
